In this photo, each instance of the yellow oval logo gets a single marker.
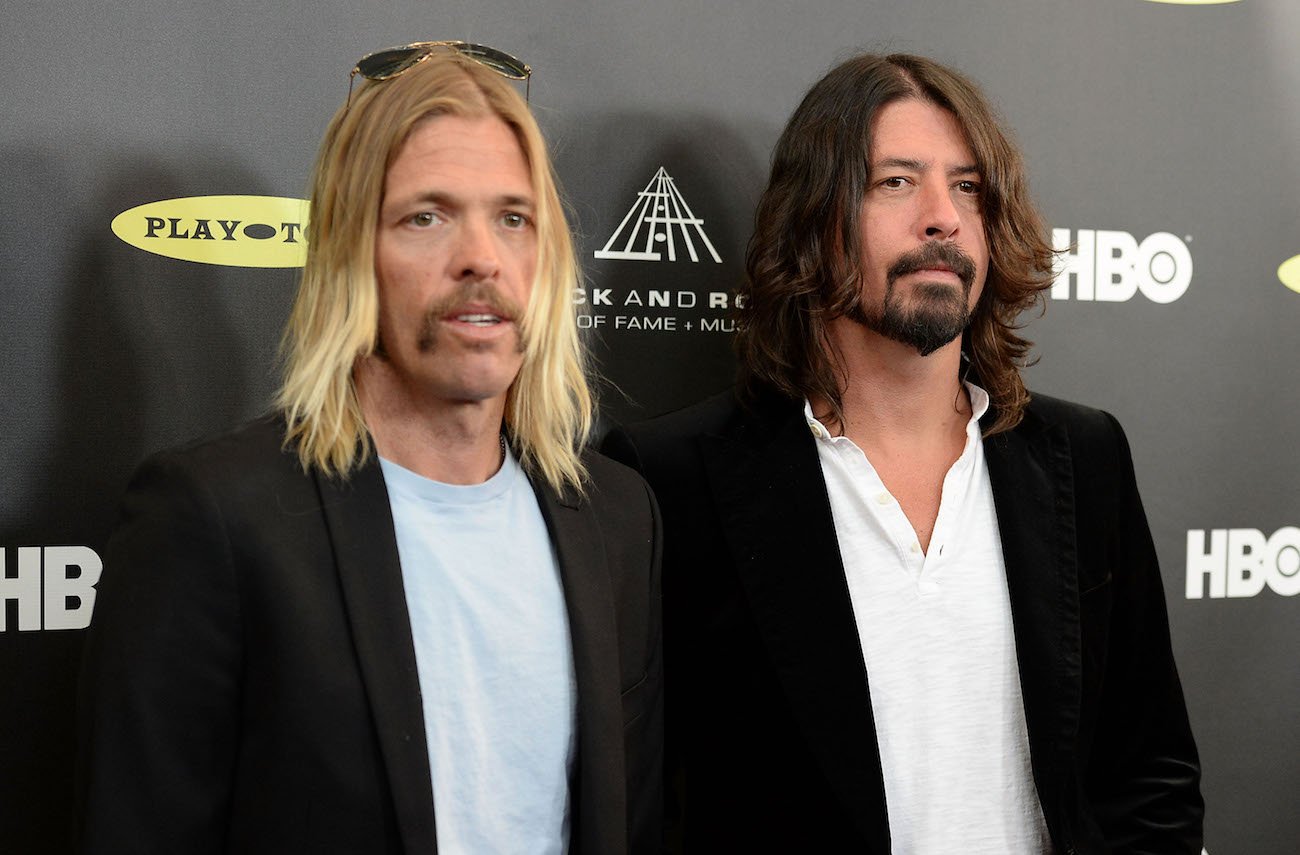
(1289, 273)
(234, 231)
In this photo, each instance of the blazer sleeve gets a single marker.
(1143, 777)
(620, 445)
(645, 715)
(158, 715)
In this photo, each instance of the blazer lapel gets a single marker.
(1031, 473)
(599, 802)
(776, 520)
(360, 523)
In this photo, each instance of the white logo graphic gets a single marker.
(658, 208)
(1113, 266)
(69, 575)
(1240, 561)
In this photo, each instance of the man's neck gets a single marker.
(908, 413)
(892, 393)
(451, 442)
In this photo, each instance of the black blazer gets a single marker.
(250, 682)
(769, 725)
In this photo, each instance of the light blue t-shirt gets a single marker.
(495, 662)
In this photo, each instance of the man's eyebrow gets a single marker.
(426, 197)
(441, 197)
(900, 163)
(512, 201)
(914, 165)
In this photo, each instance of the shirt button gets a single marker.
(884, 498)
(916, 547)
(816, 429)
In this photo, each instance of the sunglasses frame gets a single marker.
(502, 63)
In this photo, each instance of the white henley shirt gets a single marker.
(940, 654)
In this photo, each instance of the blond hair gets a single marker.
(335, 316)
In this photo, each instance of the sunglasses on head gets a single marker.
(391, 62)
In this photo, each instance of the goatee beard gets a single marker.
(937, 314)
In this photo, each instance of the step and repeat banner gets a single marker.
(153, 157)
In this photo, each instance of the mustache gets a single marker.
(480, 293)
(934, 254)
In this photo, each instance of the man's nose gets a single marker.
(477, 255)
(939, 217)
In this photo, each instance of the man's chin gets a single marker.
(929, 346)
(473, 391)
(925, 330)
(444, 337)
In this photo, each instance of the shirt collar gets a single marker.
(979, 405)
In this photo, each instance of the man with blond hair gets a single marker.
(406, 612)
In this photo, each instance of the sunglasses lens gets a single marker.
(497, 60)
(383, 64)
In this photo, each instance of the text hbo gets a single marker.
(53, 586)
(1239, 562)
(1108, 266)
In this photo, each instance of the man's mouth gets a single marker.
(477, 313)
(478, 319)
(935, 257)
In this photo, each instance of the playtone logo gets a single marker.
(50, 588)
(1289, 273)
(1239, 562)
(1110, 266)
(233, 231)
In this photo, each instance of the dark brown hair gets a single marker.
(803, 263)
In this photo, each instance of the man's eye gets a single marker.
(424, 218)
(971, 188)
(513, 220)
(895, 183)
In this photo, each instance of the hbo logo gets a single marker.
(54, 587)
(1113, 266)
(1239, 562)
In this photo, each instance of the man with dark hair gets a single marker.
(408, 612)
(909, 608)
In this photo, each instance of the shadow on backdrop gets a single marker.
(132, 352)
(653, 358)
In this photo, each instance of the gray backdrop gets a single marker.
(1138, 118)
